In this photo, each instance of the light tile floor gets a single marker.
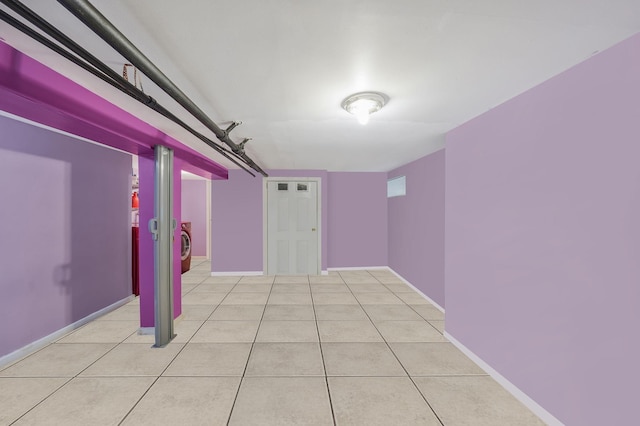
(350, 348)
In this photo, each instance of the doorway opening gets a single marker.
(196, 215)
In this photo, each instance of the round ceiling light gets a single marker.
(363, 104)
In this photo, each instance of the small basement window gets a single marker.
(397, 186)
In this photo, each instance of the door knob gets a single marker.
(313, 229)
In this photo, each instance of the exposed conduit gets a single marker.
(100, 25)
(93, 65)
(99, 69)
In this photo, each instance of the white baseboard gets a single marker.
(46, 340)
(236, 273)
(249, 273)
(427, 298)
(544, 415)
(358, 268)
(386, 268)
(510, 387)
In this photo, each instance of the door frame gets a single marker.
(265, 222)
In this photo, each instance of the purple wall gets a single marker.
(543, 239)
(194, 210)
(236, 223)
(354, 219)
(416, 226)
(357, 219)
(236, 219)
(65, 231)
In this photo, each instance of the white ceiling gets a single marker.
(282, 67)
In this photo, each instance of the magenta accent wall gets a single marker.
(543, 239)
(65, 231)
(357, 219)
(194, 210)
(416, 226)
(146, 167)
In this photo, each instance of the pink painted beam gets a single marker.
(31, 90)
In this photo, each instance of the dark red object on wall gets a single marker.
(135, 262)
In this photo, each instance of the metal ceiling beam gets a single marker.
(100, 25)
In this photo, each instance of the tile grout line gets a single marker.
(246, 365)
(172, 360)
(43, 399)
(242, 377)
(394, 354)
(324, 366)
(412, 306)
(77, 375)
(194, 284)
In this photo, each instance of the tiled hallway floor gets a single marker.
(350, 348)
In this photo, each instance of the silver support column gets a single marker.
(162, 227)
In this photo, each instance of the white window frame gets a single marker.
(397, 187)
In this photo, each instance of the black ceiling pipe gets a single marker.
(96, 67)
(100, 25)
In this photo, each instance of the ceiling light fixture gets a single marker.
(363, 104)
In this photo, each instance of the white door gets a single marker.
(292, 228)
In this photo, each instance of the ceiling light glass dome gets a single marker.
(363, 104)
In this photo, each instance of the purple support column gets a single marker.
(146, 170)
